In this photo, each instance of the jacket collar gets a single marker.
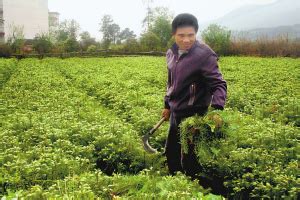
(175, 47)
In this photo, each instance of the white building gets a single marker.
(53, 20)
(29, 15)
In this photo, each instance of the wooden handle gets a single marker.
(157, 125)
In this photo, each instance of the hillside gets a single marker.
(280, 17)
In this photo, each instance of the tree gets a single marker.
(62, 32)
(86, 40)
(154, 13)
(131, 45)
(105, 24)
(5, 51)
(85, 35)
(71, 45)
(126, 35)
(114, 30)
(149, 17)
(92, 48)
(66, 36)
(162, 28)
(160, 25)
(150, 41)
(74, 28)
(16, 38)
(42, 43)
(67, 29)
(218, 38)
(110, 31)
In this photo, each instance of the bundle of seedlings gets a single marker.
(253, 158)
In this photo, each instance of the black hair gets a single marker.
(184, 19)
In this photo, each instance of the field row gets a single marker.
(64, 120)
(53, 134)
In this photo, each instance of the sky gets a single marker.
(130, 13)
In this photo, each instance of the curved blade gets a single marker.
(146, 137)
(146, 144)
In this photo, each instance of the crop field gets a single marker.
(71, 129)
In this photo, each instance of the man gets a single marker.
(194, 83)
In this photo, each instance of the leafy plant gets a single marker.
(253, 157)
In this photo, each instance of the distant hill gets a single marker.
(291, 32)
(281, 16)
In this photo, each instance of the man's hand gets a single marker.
(166, 113)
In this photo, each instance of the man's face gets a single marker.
(185, 37)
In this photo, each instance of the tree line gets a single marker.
(68, 38)
(156, 36)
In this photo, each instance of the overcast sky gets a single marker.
(130, 13)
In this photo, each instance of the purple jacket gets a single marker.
(194, 80)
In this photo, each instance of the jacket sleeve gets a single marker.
(166, 99)
(215, 82)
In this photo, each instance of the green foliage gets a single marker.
(63, 119)
(159, 29)
(16, 38)
(146, 185)
(256, 158)
(131, 45)
(110, 31)
(7, 69)
(264, 87)
(161, 26)
(71, 45)
(202, 131)
(112, 35)
(67, 29)
(127, 35)
(86, 41)
(150, 42)
(66, 37)
(218, 38)
(153, 14)
(5, 51)
(53, 143)
(92, 48)
(42, 43)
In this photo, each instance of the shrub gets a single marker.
(218, 38)
(150, 42)
(254, 158)
(42, 43)
(5, 51)
(71, 45)
(131, 45)
(92, 48)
